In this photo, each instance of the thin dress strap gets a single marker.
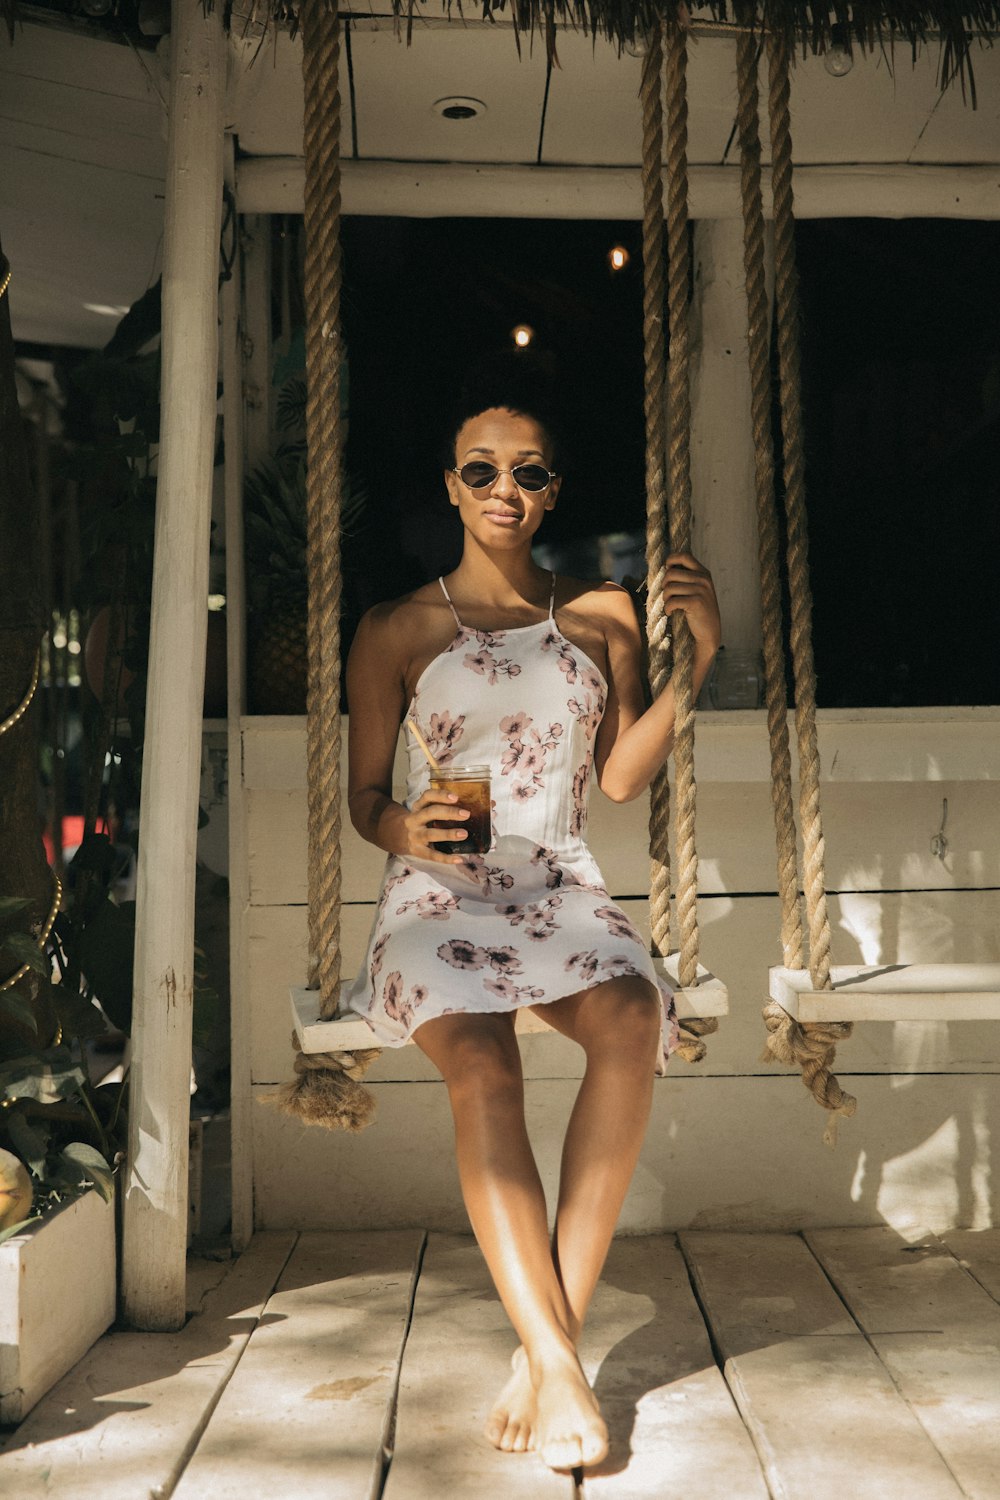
(552, 600)
(450, 605)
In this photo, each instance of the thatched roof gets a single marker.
(872, 25)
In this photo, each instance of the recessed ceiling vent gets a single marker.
(458, 108)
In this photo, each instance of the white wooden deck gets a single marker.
(729, 1366)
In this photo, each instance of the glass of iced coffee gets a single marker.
(471, 785)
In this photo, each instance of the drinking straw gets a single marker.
(435, 768)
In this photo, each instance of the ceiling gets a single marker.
(83, 132)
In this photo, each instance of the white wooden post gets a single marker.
(724, 525)
(234, 398)
(155, 1208)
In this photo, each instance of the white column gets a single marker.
(155, 1209)
(724, 527)
(234, 401)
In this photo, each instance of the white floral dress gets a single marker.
(531, 920)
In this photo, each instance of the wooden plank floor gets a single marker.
(729, 1367)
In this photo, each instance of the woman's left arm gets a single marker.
(633, 742)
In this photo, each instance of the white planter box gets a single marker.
(57, 1296)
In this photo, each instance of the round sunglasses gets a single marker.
(480, 475)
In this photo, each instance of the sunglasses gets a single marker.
(480, 475)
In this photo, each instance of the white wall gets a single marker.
(733, 1142)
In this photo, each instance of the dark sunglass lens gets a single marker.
(477, 475)
(531, 476)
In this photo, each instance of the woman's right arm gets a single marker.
(376, 691)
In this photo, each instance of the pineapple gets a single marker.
(275, 519)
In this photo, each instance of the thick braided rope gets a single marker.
(327, 1089)
(787, 315)
(679, 491)
(320, 62)
(758, 342)
(654, 400)
(812, 1047)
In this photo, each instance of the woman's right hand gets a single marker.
(414, 837)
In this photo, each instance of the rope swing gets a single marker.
(810, 1047)
(326, 1089)
(668, 498)
(812, 1004)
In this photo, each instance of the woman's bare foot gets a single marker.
(511, 1424)
(569, 1429)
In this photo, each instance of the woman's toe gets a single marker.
(593, 1447)
(562, 1453)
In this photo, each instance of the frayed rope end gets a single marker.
(327, 1090)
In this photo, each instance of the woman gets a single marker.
(502, 662)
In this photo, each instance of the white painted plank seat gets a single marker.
(349, 1032)
(892, 992)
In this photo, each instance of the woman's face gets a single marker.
(502, 515)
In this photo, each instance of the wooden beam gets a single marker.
(440, 189)
(892, 992)
(155, 1209)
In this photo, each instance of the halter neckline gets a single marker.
(551, 615)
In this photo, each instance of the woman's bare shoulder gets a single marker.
(407, 612)
(600, 599)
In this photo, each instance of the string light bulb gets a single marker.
(838, 60)
(618, 257)
(522, 335)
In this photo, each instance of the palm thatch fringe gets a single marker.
(868, 25)
(871, 26)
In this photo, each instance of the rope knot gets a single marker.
(811, 1047)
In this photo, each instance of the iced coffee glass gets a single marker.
(471, 785)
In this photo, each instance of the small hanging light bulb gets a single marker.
(618, 257)
(838, 60)
(522, 335)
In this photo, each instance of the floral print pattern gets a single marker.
(396, 1008)
(443, 733)
(532, 920)
(527, 748)
(483, 661)
(432, 906)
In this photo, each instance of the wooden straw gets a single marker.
(435, 768)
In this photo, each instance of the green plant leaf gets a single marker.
(13, 1229)
(106, 958)
(95, 853)
(11, 904)
(79, 1017)
(43, 1076)
(19, 1008)
(30, 1143)
(89, 1162)
(24, 949)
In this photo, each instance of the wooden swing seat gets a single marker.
(892, 992)
(349, 1033)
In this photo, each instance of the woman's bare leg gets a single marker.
(618, 1025)
(479, 1060)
